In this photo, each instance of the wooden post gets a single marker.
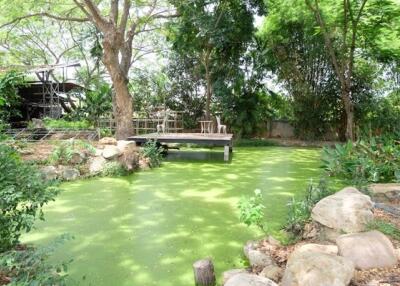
(204, 273)
(226, 153)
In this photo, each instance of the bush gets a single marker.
(373, 160)
(252, 210)
(23, 193)
(300, 211)
(27, 267)
(63, 153)
(152, 151)
(112, 169)
(65, 124)
(385, 227)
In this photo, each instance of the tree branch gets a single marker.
(45, 14)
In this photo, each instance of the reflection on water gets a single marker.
(176, 156)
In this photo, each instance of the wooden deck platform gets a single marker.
(214, 139)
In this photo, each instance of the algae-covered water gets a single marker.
(148, 228)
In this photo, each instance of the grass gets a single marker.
(385, 227)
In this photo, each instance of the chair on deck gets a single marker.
(220, 127)
(161, 127)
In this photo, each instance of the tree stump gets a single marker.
(204, 273)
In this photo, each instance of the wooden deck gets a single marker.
(195, 138)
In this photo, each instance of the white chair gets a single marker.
(220, 127)
(161, 127)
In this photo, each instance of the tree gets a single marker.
(119, 22)
(214, 33)
(342, 38)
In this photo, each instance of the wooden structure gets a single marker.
(214, 139)
(204, 274)
(147, 123)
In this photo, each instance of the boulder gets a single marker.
(121, 144)
(144, 163)
(314, 268)
(250, 245)
(70, 174)
(348, 210)
(313, 247)
(367, 250)
(246, 279)
(398, 253)
(230, 273)
(97, 164)
(49, 173)
(77, 158)
(111, 152)
(129, 158)
(108, 141)
(385, 193)
(259, 259)
(272, 272)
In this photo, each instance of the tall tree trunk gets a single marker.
(208, 93)
(122, 101)
(349, 109)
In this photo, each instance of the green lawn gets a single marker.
(148, 228)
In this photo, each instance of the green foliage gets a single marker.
(63, 153)
(299, 211)
(251, 210)
(66, 124)
(385, 227)
(23, 193)
(9, 98)
(97, 103)
(153, 152)
(253, 143)
(114, 169)
(27, 267)
(373, 160)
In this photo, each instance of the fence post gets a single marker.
(204, 273)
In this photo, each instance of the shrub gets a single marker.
(385, 227)
(27, 267)
(299, 212)
(251, 210)
(152, 151)
(65, 124)
(23, 193)
(63, 153)
(112, 169)
(373, 160)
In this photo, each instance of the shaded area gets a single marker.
(148, 228)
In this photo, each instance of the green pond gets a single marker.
(148, 228)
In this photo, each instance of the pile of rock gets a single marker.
(341, 218)
(82, 164)
(110, 150)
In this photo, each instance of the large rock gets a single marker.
(108, 141)
(250, 245)
(348, 210)
(367, 250)
(245, 279)
(312, 247)
(77, 158)
(230, 273)
(111, 152)
(129, 158)
(259, 259)
(385, 193)
(272, 272)
(314, 268)
(121, 144)
(70, 174)
(49, 173)
(97, 164)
